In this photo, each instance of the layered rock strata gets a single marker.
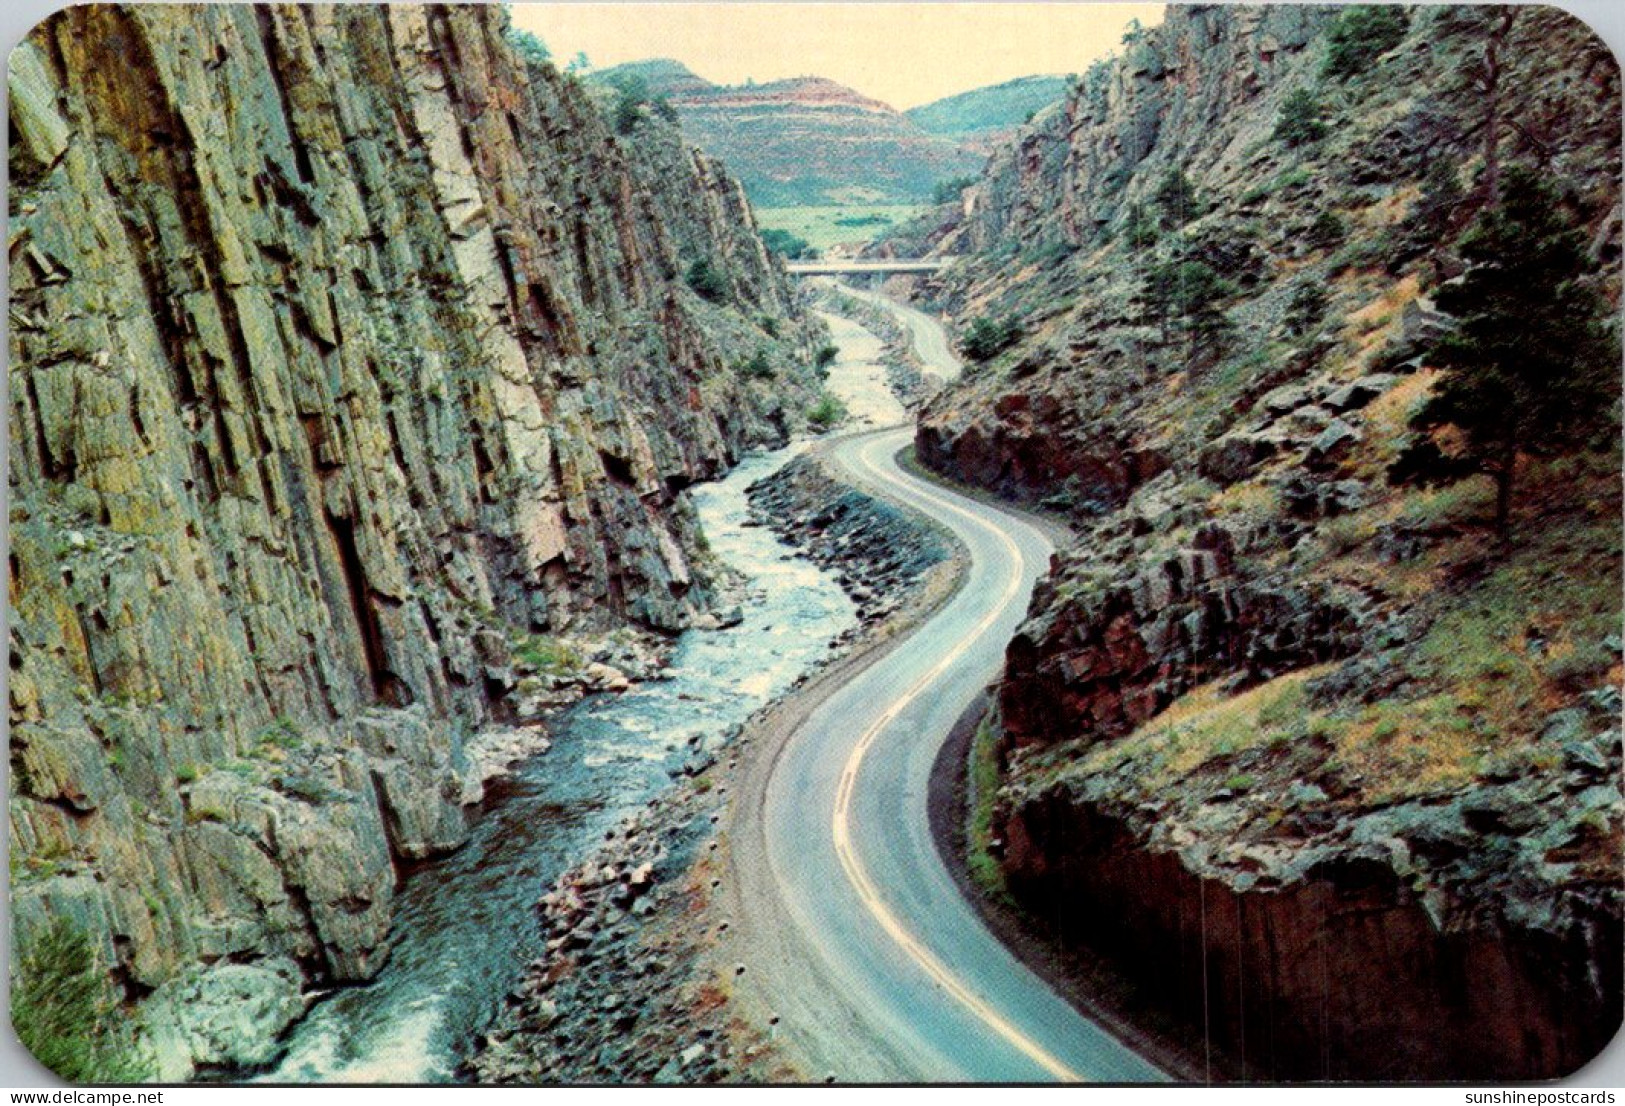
(352, 363)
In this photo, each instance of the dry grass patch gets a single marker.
(1252, 499)
(1369, 329)
(1393, 208)
(1500, 656)
(1388, 423)
(1206, 725)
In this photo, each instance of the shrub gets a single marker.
(547, 654)
(1049, 252)
(1300, 121)
(826, 356)
(1176, 199)
(633, 95)
(532, 49)
(1421, 463)
(1188, 292)
(947, 192)
(282, 735)
(757, 367)
(826, 412)
(787, 245)
(987, 337)
(1306, 308)
(1326, 231)
(1361, 35)
(65, 1013)
(628, 112)
(705, 279)
(1139, 228)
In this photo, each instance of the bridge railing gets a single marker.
(865, 265)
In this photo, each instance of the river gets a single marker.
(465, 926)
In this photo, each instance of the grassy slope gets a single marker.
(820, 226)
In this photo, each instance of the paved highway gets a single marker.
(930, 339)
(873, 963)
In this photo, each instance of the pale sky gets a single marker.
(904, 54)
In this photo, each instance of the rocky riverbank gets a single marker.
(633, 984)
(626, 988)
(878, 552)
(904, 369)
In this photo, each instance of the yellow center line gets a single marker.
(850, 863)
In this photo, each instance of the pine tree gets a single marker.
(1185, 294)
(1300, 122)
(1441, 198)
(1306, 308)
(988, 337)
(1531, 367)
(1176, 199)
(1139, 229)
(1361, 34)
(528, 46)
(705, 279)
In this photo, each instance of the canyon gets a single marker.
(439, 650)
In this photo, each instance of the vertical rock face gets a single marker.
(1174, 90)
(344, 347)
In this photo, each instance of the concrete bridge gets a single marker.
(862, 266)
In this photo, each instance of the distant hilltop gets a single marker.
(811, 141)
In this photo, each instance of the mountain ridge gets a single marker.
(803, 140)
(983, 117)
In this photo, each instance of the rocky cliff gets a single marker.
(1274, 715)
(984, 117)
(352, 366)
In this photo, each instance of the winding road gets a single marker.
(872, 962)
(930, 339)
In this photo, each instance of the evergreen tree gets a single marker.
(1300, 122)
(1185, 294)
(988, 337)
(1441, 198)
(1531, 367)
(704, 278)
(528, 46)
(1306, 308)
(1139, 229)
(1362, 34)
(633, 93)
(1176, 199)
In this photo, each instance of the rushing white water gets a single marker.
(465, 925)
(858, 378)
